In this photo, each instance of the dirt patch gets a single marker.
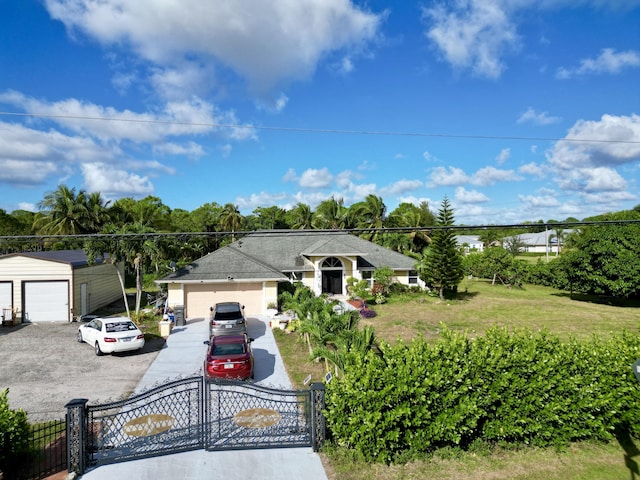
(44, 367)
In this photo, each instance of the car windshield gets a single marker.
(228, 315)
(228, 349)
(114, 327)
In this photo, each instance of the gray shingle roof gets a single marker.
(265, 255)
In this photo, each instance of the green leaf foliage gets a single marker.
(505, 388)
(15, 448)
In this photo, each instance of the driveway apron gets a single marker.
(183, 356)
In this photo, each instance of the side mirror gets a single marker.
(250, 339)
(206, 342)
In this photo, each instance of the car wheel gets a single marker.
(97, 349)
(79, 337)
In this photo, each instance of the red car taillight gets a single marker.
(109, 339)
(140, 337)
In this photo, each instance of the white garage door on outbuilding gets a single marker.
(200, 297)
(46, 301)
(6, 300)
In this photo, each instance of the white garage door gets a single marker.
(46, 301)
(202, 296)
(6, 302)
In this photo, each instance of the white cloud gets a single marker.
(316, 178)
(190, 149)
(267, 43)
(29, 207)
(534, 169)
(400, 187)
(290, 176)
(532, 201)
(441, 176)
(491, 175)
(464, 196)
(537, 118)
(608, 62)
(503, 156)
(472, 34)
(113, 182)
(262, 199)
(613, 140)
(192, 117)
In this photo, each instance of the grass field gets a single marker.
(478, 307)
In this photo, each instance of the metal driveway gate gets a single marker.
(190, 414)
(245, 415)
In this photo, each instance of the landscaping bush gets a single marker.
(505, 388)
(15, 449)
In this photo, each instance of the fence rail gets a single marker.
(47, 452)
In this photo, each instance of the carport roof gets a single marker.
(266, 255)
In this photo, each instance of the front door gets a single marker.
(332, 282)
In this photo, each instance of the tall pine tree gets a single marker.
(441, 266)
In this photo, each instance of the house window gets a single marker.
(368, 276)
(413, 277)
(332, 262)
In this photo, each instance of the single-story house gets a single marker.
(249, 270)
(540, 242)
(54, 285)
(470, 243)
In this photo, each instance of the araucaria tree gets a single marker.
(441, 266)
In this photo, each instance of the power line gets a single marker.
(321, 130)
(241, 233)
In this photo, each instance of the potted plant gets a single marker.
(272, 309)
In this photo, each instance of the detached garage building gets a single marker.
(54, 286)
(249, 270)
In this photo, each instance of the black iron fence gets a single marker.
(46, 455)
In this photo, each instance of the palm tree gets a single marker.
(331, 214)
(63, 213)
(231, 219)
(301, 216)
(371, 213)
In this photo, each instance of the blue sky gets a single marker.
(516, 110)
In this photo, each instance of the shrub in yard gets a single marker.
(15, 449)
(506, 388)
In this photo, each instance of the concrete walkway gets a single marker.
(183, 355)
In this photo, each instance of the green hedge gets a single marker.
(505, 388)
(15, 446)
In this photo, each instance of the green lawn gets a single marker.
(478, 307)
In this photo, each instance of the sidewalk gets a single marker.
(183, 355)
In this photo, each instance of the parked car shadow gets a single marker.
(151, 345)
(255, 327)
(263, 364)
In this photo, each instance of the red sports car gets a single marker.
(229, 356)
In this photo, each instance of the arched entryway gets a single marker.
(332, 273)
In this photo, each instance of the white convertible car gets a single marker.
(111, 334)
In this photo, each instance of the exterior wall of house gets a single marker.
(175, 294)
(102, 286)
(19, 269)
(270, 294)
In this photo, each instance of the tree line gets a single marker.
(597, 259)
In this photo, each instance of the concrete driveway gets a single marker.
(183, 355)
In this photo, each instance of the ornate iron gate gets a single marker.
(191, 414)
(241, 415)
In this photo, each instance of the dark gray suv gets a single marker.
(227, 318)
